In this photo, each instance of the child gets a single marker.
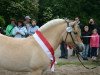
(94, 44)
(86, 41)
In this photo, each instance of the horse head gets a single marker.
(72, 35)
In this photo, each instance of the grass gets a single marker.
(87, 63)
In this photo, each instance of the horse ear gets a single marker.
(72, 23)
(67, 20)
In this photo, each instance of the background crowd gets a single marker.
(20, 28)
(90, 37)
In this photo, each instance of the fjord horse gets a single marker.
(27, 55)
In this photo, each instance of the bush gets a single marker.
(2, 21)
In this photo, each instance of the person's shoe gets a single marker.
(61, 57)
(65, 57)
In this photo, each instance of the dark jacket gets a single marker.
(94, 26)
(86, 37)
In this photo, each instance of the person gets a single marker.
(92, 25)
(10, 27)
(94, 44)
(33, 27)
(79, 23)
(20, 30)
(27, 23)
(64, 51)
(86, 41)
(1, 30)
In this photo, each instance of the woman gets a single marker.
(10, 27)
(19, 31)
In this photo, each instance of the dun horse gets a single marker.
(27, 55)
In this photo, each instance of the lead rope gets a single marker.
(79, 55)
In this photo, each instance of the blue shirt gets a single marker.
(32, 29)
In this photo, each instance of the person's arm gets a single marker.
(97, 40)
(14, 31)
(7, 31)
(23, 31)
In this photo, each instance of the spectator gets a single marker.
(79, 23)
(64, 51)
(94, 44)
(93, 25)
(33, 27)
(1, 30)
(10, 28)
(27, 23)
(20, 30)
(86, 41)
(81, 27)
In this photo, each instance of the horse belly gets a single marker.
(15, 60)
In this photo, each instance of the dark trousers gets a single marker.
(89, 52)
(94, 51)
(64, 51)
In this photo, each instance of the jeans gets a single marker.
(85, 51)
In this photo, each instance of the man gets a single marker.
(79, 23)
(27, 23)
(10, 28)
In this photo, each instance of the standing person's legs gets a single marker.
(62, 52)
(66, 52)
(73, 54)
(84, 52)
(95, 52)
(87, 50)
(92, 51)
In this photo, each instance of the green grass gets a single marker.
(87, 63)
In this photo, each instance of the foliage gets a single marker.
(84, 9)
(2, 21)
(18, 8)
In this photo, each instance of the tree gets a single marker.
(85, 9)
(18, 8)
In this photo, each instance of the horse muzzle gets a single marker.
(80, 47)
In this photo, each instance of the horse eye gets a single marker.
(75, 33)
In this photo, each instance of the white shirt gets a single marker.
(22, 32)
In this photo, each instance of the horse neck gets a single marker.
(54, 34)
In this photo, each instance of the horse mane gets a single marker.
(52, 23)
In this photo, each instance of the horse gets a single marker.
(26, 55)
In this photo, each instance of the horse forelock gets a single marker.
(52, 23)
